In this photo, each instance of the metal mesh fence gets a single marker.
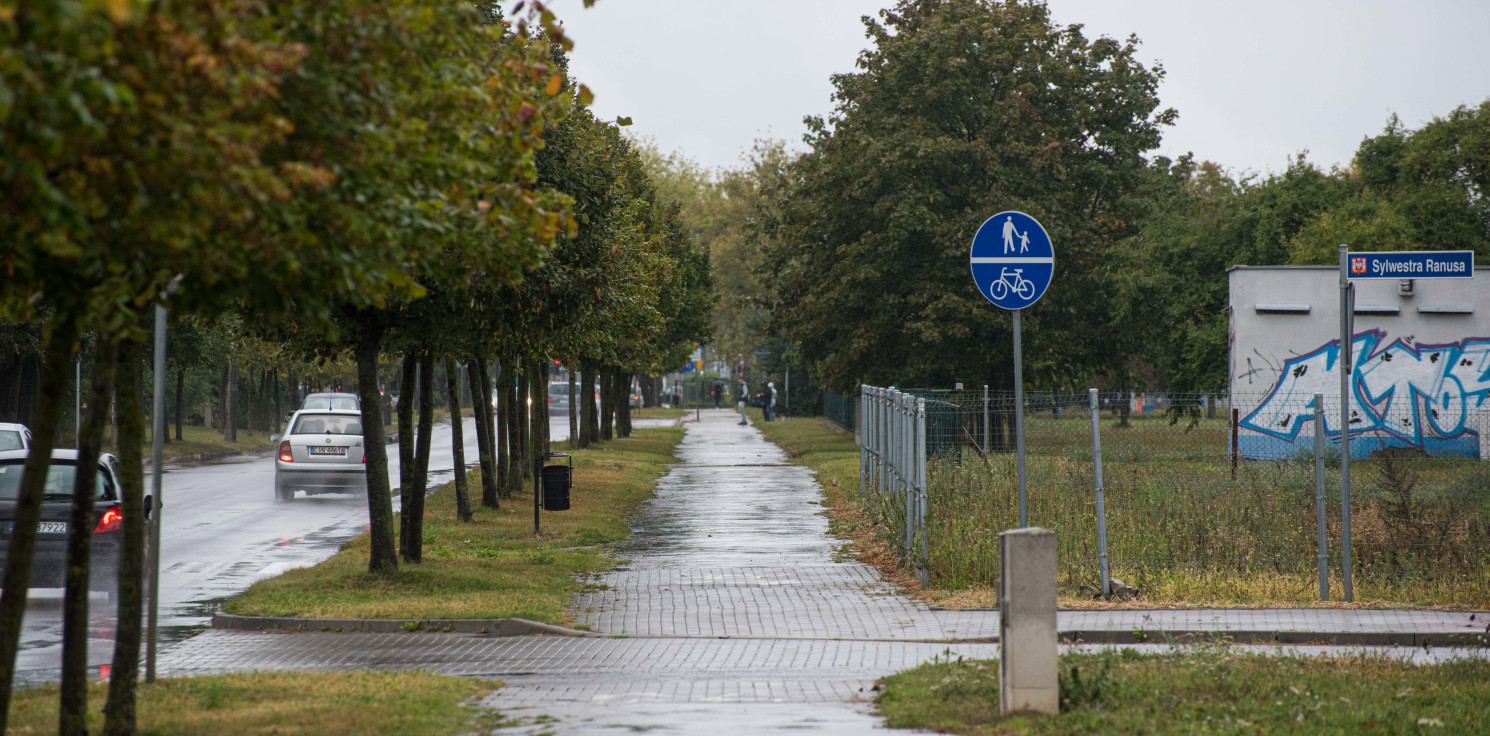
(1208, 492)
(841, 410)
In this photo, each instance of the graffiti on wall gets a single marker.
(1402, 394)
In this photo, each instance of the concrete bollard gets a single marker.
(1027, 633)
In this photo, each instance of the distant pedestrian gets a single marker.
(718, 393)
(770, 401)
(740, 396)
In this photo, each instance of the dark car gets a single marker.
(50, 562)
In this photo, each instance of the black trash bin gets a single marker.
(556, 483)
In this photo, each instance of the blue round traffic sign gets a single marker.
(1012, 260)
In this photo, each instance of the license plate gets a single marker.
(45, 527)
(328, 450)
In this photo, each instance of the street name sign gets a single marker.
(1424, 264)
(1012, 260)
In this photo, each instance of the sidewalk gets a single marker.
(737, 619)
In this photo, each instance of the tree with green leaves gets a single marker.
(961, 109)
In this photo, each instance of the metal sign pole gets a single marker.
(1101, 507)
(157, 450)
(1024, 518)
(1345, 366)
(1319, 514)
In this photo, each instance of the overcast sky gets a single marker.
(1254, 81)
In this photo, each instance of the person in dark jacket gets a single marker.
(718, 393)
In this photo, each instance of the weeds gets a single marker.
(1180, 529)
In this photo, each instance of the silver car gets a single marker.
(322, 453)
(337, 401)
(14, 437)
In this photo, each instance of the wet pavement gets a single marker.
(732, 616)
(222, 530)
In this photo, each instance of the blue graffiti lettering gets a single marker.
(1409, 394)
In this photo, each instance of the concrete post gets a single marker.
(1027, 633)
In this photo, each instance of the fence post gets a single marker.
(862, 437)
(923, 567)
(1101, 508)
(1235, 422)
(1324, 557)
(985, 419)
(906, 468)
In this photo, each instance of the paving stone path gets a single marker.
(735, 615)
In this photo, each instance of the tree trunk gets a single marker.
(408, 395)
(541, 443)
(412, 541)
(180, 392)
(523, 448)
(511, 451)
(279, 415)
(573, 414)
(72, 717)
(457, 440)
(481, 395)
(623, 418)
(483, 454)
(230, 415)
(589, 414)
(59, 335)
(382, 554)
(502, 434)
(607, 401)
(119, 711)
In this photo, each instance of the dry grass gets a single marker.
(1179, 528)
(287, 703)
(492, 567)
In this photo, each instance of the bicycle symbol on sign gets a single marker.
(1020, 285)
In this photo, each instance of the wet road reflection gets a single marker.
(223, 531)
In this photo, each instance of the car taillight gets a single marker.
(284, 452)
(110, 521)
(550, 399)
(364, 458)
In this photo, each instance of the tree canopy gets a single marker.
(959, 111)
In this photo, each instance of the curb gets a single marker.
(486, 626)
(208, 457)
(1338, 638)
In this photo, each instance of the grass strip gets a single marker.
(323, 704)
(492, 567)
(1204, 690)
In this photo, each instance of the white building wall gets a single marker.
(1422, 361)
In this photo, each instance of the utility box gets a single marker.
(1027, 625)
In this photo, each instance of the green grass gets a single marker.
(1179, 528)
(492, 567)
(199, 440)
(1209, 690)
(323, 704)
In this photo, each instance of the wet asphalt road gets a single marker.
(222, 531)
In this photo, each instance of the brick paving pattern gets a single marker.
(730, 598)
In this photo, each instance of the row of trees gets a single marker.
(965, 108)
(417, 181)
